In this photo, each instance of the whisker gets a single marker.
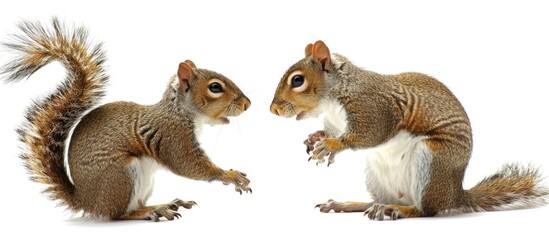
(232, 109)
(229, 110)
(238, 125)
(217, 138)
(290, 107)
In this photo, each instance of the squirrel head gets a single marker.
(209, 93)
(304, 84)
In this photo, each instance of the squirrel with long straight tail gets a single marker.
(417, 133)
(115, 149)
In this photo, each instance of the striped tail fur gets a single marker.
(512, 187)
(49, 121)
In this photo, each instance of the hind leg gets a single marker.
(444, 190)
(104, 194)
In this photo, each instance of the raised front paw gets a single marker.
(327, 147)
(239, 180)
(314, 138)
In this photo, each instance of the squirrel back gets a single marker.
(49, 121)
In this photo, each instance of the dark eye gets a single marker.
(297, 81)
(215, 87)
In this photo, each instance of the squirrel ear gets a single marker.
(185, 72)
(190, 63)
(321, 54)
(309, 50)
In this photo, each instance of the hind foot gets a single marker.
(155, 213)
(378, 212)
(343, 206)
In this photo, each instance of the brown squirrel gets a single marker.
(116, 148)
(417, 133)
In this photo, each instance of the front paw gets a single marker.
(313, 138)
(328, 147)
(238, 179)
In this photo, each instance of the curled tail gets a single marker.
(512, 187)
(49, 121)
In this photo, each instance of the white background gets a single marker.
(492, 55)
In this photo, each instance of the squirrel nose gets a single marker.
(246, 103)
(275, 109)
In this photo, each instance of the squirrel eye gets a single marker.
(215, 87)
(297, 81)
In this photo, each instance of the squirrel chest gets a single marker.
(335, 117)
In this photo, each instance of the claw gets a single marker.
(307, 147)
(331, 159)
(239, 180)
(189, 204)
(319, 161)
(394, 215)
(312, 139)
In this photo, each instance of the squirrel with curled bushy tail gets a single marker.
(115, 149)
(417, 133)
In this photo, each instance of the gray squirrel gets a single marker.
(418, 134)
(116, 148)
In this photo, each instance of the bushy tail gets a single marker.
(49, 121)
(512, 187)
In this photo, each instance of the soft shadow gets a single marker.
(91, 222)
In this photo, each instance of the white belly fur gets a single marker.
(399, 166)
(142, 172)
(398, 170)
